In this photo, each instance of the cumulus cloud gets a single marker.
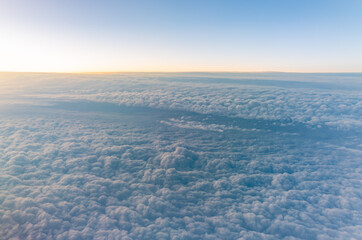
(194, 169)
(182, 123)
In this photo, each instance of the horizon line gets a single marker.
(120, 72)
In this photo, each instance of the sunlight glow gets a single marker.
(52, 36)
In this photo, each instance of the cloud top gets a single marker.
(182, 161)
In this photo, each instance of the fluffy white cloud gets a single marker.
(86, 170)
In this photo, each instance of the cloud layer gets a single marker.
(195, 162)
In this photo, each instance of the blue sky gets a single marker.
(62, 36)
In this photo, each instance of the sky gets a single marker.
(113, 36)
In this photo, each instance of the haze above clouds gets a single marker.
(203, 35)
